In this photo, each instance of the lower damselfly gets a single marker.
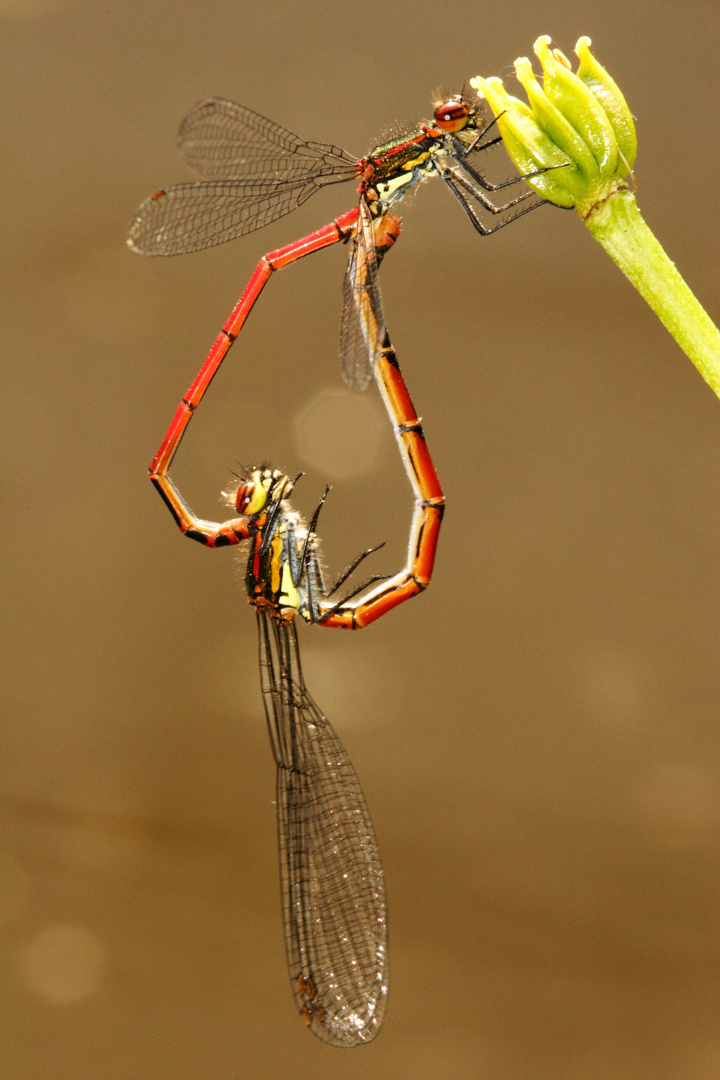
(333, 891)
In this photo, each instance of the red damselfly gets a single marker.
(334, 910)
(257, 171)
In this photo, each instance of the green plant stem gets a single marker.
(618, 225)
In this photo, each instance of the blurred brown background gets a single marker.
(536, 735)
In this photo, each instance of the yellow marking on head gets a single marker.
(257, 500)
(252, 494)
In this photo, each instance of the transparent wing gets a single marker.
(190, 217)
(219, 139)
(362, 322)
(257, 172)
(355, 363)
(333, 887)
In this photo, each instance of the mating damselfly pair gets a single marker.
(334, 908)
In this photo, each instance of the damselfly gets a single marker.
(257, 171)
(333, 891)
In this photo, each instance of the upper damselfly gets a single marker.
(257, 171)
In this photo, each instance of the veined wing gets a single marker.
(256, 172)
(190, 217)
(362, 323)
(219, 139)
(333, 889)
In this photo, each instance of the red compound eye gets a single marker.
(244, 494)
(250, 498)
(452, 115)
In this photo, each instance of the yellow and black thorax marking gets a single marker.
(390, 167)
(274, 566)
(269, 576)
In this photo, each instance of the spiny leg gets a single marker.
(478, 177)
(343, 603)
(477, 193)
(274, 513)
(477, 223)
(310, 534)
(477, 144)
(353, 567)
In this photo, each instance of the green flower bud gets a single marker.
(579, 119)
(608, 94)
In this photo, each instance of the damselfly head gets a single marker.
(258, 486)
(453, 114)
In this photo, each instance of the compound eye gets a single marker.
(250, 498)
(452, 115)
